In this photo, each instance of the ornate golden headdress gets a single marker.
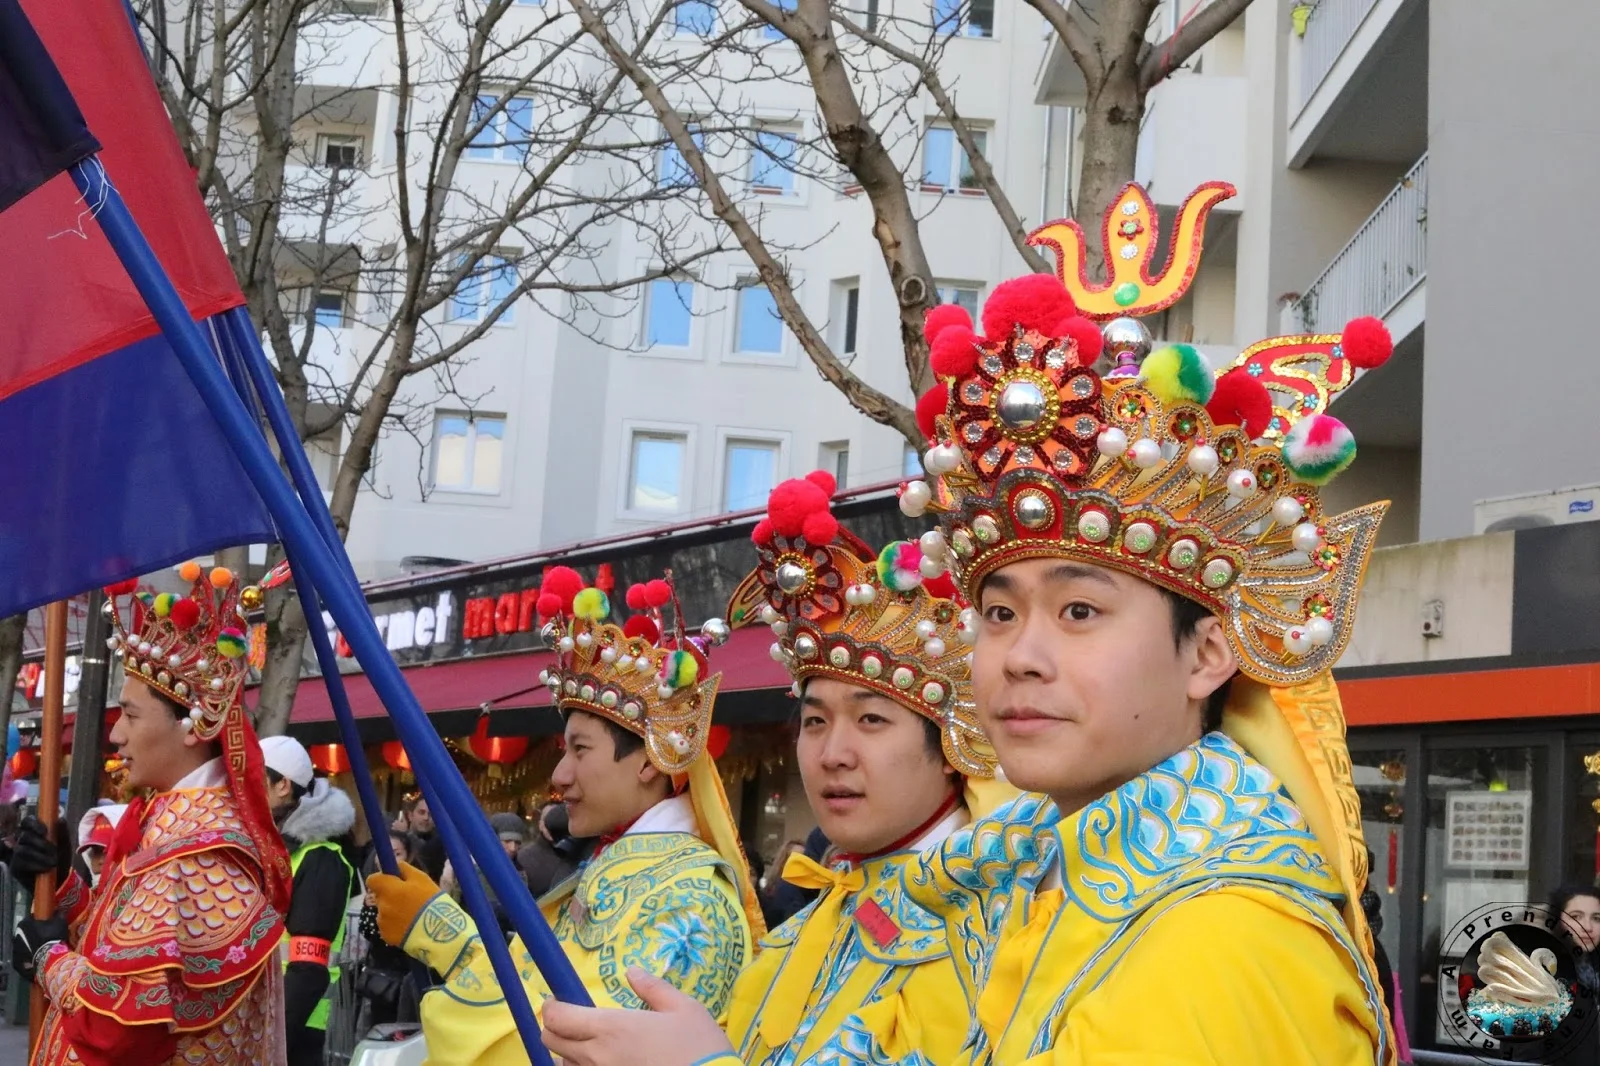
(191, 648)
(1201, 483)
(650, 682)
(888, 622)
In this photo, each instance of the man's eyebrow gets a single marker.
(996, 582)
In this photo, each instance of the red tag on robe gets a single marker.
(879, 926)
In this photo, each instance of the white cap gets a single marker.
(288, 758)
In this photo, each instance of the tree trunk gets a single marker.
(286, 642)
(1111, 120)
(11, 632)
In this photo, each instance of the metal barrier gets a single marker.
(10, 893)
(1330, 27)
(1382, 263)
(344, 1002)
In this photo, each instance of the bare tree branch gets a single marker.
(875, 404)
(1081, 45)
(1172, 53)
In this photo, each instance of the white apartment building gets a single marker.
(1426, 161)
(689, 398)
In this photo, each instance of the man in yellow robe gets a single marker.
(893, 764)
(1129, 551)
(667, 888)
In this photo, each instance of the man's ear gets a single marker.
(648, 774)
(191, 739)
(1213, 662)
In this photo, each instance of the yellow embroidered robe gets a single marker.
(1197, 923)
(665, 902)
(173, 956)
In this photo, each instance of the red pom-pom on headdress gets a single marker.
(762, 534)
(185, 613)
(123, 588)
(1241, 400)
(641, 626)
(954, 353)
(657, 593)
(548, 604)
(942, 587)
(824, 481)
(1087, 335)
(1033, 301)
(635, 597)
(820, 529)
(941, 317)
(1366, 342)
(791, 503)
(930, 407)
(562, 582)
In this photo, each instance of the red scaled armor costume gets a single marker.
(173, 954)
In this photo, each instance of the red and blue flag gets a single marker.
(110, 463)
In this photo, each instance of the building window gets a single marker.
(772, 161)
(505, 132)
(338, 151)
(322, 452)
(852, 316)
(964, 18)
(480, 292)
(945, 165)
(834, 457)
(330, 308)
(672, 169)
(759, 330)
(910, 462)
(530, 3)
(963, 296)
(771, 32)
(696, 18)
(655, 472)
(668, 312)
(750, 469)
(468, 451)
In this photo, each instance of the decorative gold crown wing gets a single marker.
(1130, 233)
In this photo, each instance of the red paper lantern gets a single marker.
(496, 750)
(330, 758)
(717, 740)
(24, 763)
(394, 753)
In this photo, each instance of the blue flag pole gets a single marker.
(242, 340)
(432, 761)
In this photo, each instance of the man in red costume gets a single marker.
(170, 958)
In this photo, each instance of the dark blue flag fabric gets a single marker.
(42, 132)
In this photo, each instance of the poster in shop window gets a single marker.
(1487, 830)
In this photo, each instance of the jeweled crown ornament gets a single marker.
(654, 683)
(191, 648)
(1201, 483)
(886, 621)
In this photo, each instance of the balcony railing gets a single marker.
(1384, 261)
(1331, 25)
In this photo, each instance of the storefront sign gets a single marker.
(1487, 830)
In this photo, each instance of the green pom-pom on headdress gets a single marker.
(1178, 373)
(163, 604)
(591, 605)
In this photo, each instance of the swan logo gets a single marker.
(1508, 985)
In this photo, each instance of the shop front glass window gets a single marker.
(1486, 811)
(1380, 778)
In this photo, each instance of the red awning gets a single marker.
(512, 681)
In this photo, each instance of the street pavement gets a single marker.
(13, 1044)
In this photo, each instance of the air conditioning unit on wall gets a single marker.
(1537, 509)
